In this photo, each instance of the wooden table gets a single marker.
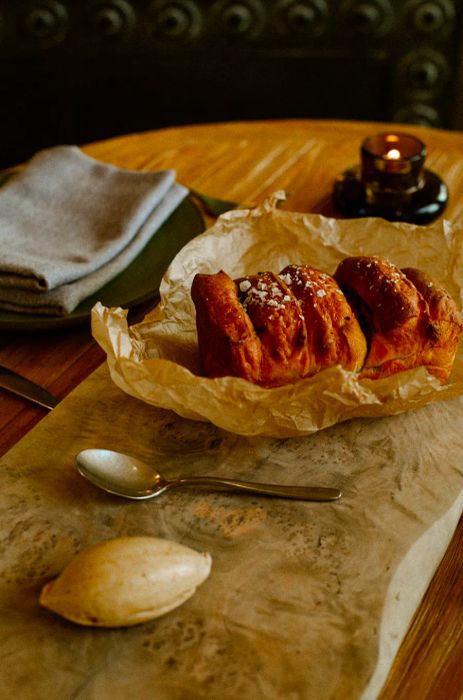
(245, 162)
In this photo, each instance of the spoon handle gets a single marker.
(301, 493)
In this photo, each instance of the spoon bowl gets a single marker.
(128, 477)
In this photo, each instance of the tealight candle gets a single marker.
(391, 182)
(392, 169)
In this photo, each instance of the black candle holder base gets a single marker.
(422, 207)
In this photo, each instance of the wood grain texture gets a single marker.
(245, 163)
(294, 605)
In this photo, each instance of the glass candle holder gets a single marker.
(392, 168)
(391, 182)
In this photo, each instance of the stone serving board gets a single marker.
(304, 600)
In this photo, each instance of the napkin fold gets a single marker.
(69, 224)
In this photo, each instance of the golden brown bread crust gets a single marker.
(275, 329)
(228, 343)
(407, 322)
(442, 325)
(276, 316)
(371, 317)
(334, 335)
(389, 308)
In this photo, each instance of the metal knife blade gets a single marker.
(14, 382)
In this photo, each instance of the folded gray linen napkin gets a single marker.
(69, 224)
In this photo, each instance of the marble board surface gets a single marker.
(305, 600)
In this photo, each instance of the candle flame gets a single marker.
(393, 154)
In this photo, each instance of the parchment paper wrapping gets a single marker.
(157, 360)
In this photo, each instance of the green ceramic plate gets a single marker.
(137, 283)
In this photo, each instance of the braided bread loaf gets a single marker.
(370, 317)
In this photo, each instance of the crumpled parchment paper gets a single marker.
(157, 360)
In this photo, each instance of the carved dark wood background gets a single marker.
(77, 71)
